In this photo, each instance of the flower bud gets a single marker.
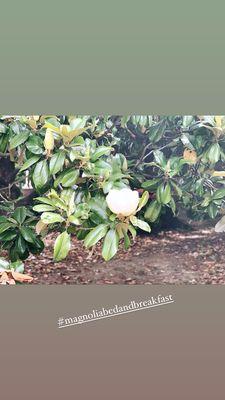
(49, 140)
(123, 202)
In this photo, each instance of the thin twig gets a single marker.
(142, 155)
(161, 148)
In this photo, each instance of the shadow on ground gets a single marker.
(171, 257)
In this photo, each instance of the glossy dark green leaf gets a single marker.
(153, 211)
(19, 139)
(159, 158)
(212, 210)
(8, 235)
(127, 242)
(3, 219)
(150, 184)
(28, 234)
(20, 214)
(70, 178)
(95, 235)
(110, 245)
(21, 246)
(41, 174)
(56, 162)
(100, 151)
(4, 226)
(98, 207)
(37, 247)
(163, 193)
(4, 139)
(31, 161)
(35, 145)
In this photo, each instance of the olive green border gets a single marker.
(112, 57)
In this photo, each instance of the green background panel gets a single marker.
(115, 57)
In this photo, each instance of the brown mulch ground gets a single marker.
(171, 257)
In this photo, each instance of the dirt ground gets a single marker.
(171, 257)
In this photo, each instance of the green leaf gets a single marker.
(107, 186)
(143, 120)
(62, 246)
(100, 151)
(28, 234)
(173, 205)
(3, 128)
(98, 207)
(15, 127)
(40, 174)
(51, 218)
(29, 162)
(126, 240)
(214, 153)
(35, 145)
(19, 139)
(163, 193)
(21, 247)
(4, 143)
(140, 224)
(159, 158)
(206, 201)
(219, 194)
(3, 219)
(143, 200)
(68, 178)
(76, 122)
(4, 226)
(18, 266)
(153, 211)
(54, 202)
(132, 231)
(8, 235)
(95, 235)
(150, 184)
(45, 200)
(43, 208)
(212, 210)
(56, 162)
(185, 139)
(187, 120)
(177, 189)
(156, 132)
(37, 247)
(74, 220)
(110, 245)
(20, 214)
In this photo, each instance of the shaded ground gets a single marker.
(170, 257)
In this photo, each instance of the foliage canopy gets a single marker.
(73, 162)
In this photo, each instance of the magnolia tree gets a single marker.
(102, 178)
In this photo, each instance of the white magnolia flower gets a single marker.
(220, 226)
(123, 202)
